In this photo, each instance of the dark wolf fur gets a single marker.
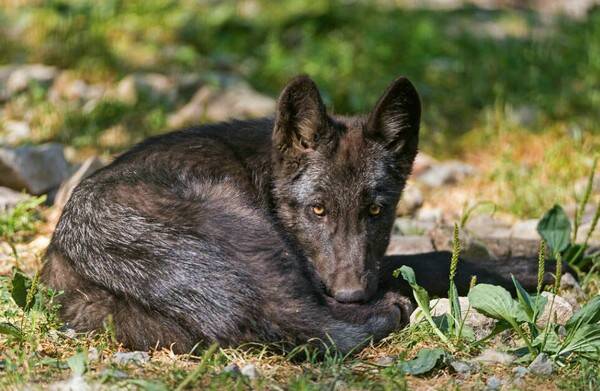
(265, 230)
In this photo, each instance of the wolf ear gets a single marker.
(300, 116)
(396, 117)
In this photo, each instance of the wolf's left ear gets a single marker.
(396, 117)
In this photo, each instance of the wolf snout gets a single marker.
(350, 295)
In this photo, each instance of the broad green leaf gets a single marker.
(78, 363)
(555, 229)
(495, 302)
(20, 286)
(408, 274)
(10, 329)
(424, 362)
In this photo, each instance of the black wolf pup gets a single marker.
(269, 230)
(264, 230)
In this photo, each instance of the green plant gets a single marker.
(19, 222)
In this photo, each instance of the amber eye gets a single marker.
(374, 210)
(319, 210)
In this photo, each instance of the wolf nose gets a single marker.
(350, 295)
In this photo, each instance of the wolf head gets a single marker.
(337, 180)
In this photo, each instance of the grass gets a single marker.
(508, 91)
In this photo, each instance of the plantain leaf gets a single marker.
(495, 302)
(20, 285)
(78, 363)
(555, 229)
(424, 362)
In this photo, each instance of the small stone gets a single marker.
(423, 162)
(411, 201)
(233, 369)
(480, 324)
(446, 173)
(15, 132)
(493, 383)
(37, 169)
(250, 371)
(385, 361)
(93, 354)
(463, 368)
(409, 245)
(410, 227)
(520, 371)
(137, 358)
(114, 374)
(69, 333)
(541, 366)
(9, 198)
(491, 356)
(152, 86)
(562, 310)
(21, 77)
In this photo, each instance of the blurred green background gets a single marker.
(489, 77)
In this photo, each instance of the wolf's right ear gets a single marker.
(300, 116)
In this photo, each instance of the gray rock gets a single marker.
(68, 86)
(9, 198)
(423, 162)
(432, 215)
(37, 169)
(541, 366)
(520, 372)
(152, 86)
(480, 324)
(491, 356)
(412, 199)
(411, 227)
(485, 224)
(571, 290)
(15, 132)
(385, 361)
(464, 368)
(526, 229)
(250, 371)
(445, 173)
(88, 167)
(114, 374)
(93, 354)
(212, 103)
(562, 310)
(137, 358)
(409, 245)
(22, 76)
(493, 383)
(69, 333)
(233, 369)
